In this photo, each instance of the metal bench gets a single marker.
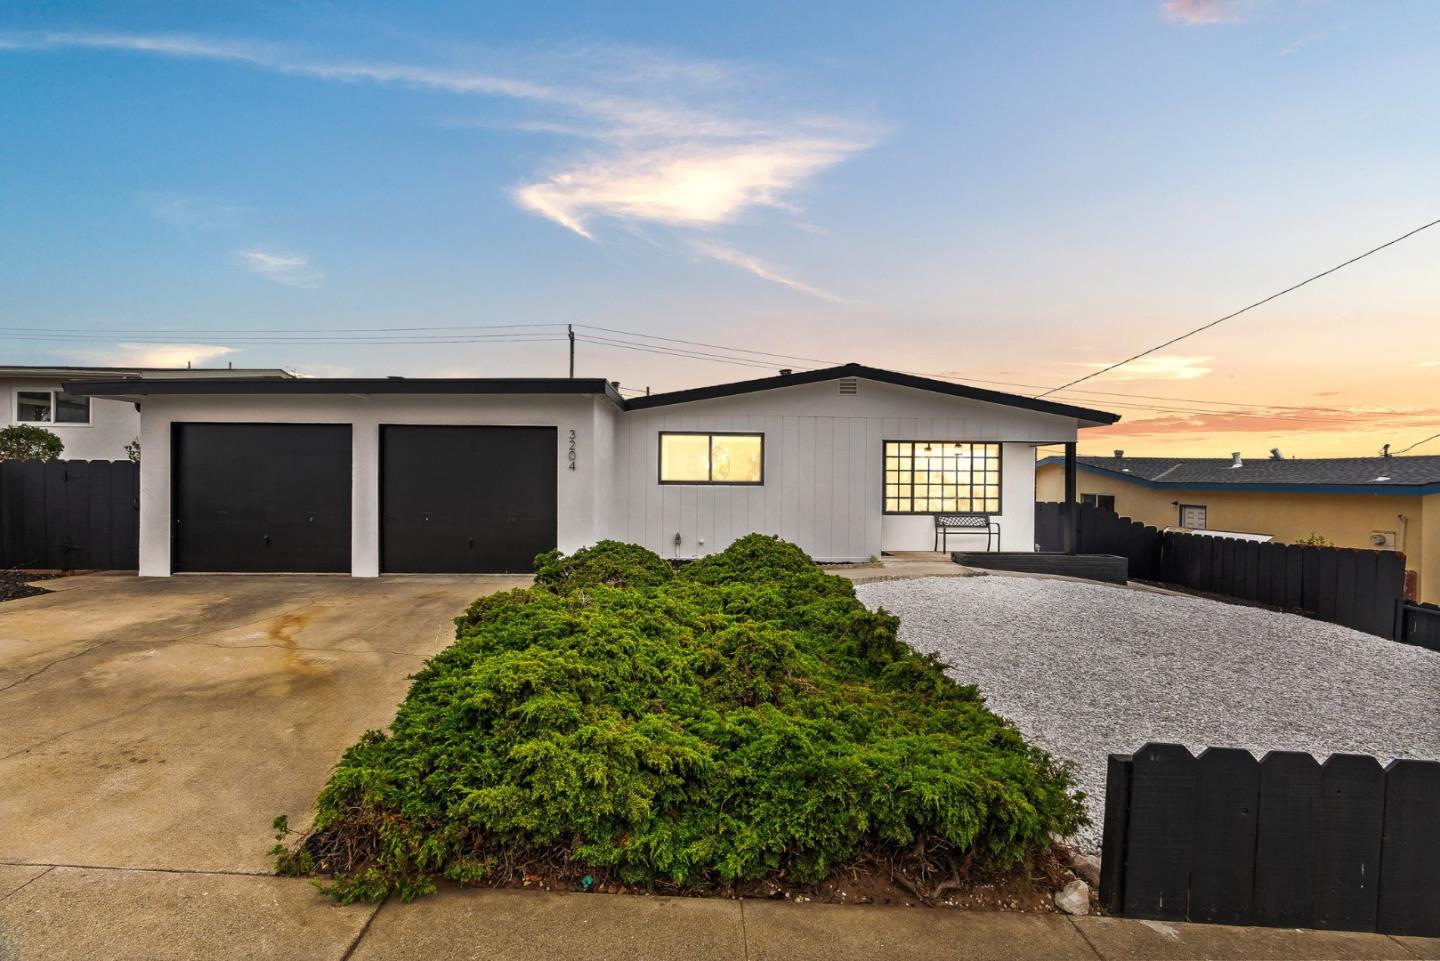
(947, 524)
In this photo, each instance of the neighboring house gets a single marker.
(393, 475)
(92, 428)
(1383, 503)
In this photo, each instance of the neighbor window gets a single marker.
(1193, 516)
(712, 458)
(1106, 502)
(941, 477)
(51, 407)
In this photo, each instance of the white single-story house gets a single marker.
(90, 428)
(372, 476)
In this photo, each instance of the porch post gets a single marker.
(1070, 514)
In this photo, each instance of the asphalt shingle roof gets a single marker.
(1309, 471)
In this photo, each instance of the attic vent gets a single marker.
(847, 385)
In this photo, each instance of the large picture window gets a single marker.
(51, 407)
(712, 458)
(941, 477)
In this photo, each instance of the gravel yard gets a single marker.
(1086, 670)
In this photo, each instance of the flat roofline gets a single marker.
(1387, 488)
(24, 370)
(313, 386)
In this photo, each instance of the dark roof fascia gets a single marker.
(310, 386)
(871, 373)
(1381, 490)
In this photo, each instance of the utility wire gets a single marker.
(1418, 443)
(1258, 303)
(675, 352)
(696, 343)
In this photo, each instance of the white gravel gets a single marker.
(1086, 670)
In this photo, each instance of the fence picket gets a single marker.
(1160, 838)
(1347, 877)
(1410, 849)
(1287, 838)
(1227, 795)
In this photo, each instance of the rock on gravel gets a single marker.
(1086, 670)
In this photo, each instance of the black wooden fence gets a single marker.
(70, 514)
(1362, 589)
(1419, 624)
(1282, 841)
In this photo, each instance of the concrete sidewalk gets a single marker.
(65, 913)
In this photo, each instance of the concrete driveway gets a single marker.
(158, 725)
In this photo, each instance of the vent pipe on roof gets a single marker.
(1235, 460)
(1275, 454)
(786, 371)
(1385, 451)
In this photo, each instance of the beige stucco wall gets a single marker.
(1346, 520)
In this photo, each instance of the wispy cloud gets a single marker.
(1158, 367)
(154, 355)
(1198, 13)
(1260, 421)
(737, 258)
(683, 144)
(189, 214)
(293, 270)
(1295, 45)
(1428, 363)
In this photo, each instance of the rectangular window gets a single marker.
(1105, 502)
(51, 407)
(711, 458)
(1193, 516)
(941, 477)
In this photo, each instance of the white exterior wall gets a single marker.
(579, 492)
(113, 423)
(823, 470)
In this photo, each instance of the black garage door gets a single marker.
(466, 499)
(261, 497)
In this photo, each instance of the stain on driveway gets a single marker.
(162, 723)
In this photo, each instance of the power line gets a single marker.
(696, 343)
(1258, 303)
(1418, 443)
(675, 352)
(165, 331)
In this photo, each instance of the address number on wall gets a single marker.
(571, 454)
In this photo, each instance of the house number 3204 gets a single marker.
(571, 455)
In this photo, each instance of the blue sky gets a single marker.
(1008, 193)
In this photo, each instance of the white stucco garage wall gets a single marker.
(578, 513)
(823, 469)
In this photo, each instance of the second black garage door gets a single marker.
(261, 497)
(466, 499)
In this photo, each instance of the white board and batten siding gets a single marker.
(823, 474)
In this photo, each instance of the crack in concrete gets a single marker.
(66, 733)
(364, 929)
(11, 894)
(1084, 937)
(116, 867)
(58, 660)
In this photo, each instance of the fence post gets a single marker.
(1117, 820)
